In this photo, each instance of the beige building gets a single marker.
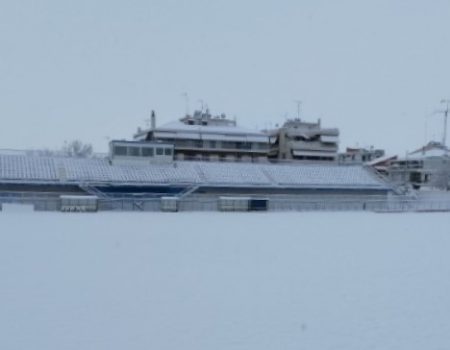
(299, 140)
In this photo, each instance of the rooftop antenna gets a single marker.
(299, 107)
(446, 102)
(201, 104)
(153, 120)
(147, 122)
(186, 101)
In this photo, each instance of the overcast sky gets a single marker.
(93, 70)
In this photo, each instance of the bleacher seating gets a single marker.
(83, 171)
(321, 175)
(233, 173)
(22, 167)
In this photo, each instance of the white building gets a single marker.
(134, 152)
(206, 137)
(429, 166)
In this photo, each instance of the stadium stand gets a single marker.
(321, 175)
(233, 173)
(20, 167)
(29, 169)
(79, 169)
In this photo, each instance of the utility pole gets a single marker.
(445, 112)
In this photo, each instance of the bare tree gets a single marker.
(76, 148)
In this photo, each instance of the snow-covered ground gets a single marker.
(224, 281)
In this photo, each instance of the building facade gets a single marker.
(299, 140)
(202, 136)
(427, 167)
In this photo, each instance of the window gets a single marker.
(168, 151)
(262, 146)
(243, 145)
(159, 151)
(147, 152)
(120, 150)
(228, 144)
(133, 151)
(198, 143)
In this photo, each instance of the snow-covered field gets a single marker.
(224, 281)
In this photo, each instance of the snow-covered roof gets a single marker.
(35, 169)
(180, 130)
(380, 160)
(432, 149)
(182, 127)
(429, 154)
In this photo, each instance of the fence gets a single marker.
(275, 203)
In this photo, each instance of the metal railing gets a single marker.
(275, 203)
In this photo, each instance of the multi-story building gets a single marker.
(299, 140)
(429, 166)
(202, 136)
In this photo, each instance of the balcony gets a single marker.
(221, 146)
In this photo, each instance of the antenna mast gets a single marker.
(445, 111)
(201, 104)
(186, 101)
(299, 106)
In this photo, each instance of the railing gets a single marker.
(45, 153)
(278, 203)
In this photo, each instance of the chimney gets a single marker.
(153, 120)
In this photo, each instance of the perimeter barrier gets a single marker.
(275, 204)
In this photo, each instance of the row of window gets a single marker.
(135, 151)
(362, 157)
(220, 144)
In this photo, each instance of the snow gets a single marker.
(82, 170)
(224, 281)
(14, 207)
(178, 126)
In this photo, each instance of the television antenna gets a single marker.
(186, 101)
(446, 102)
(299, 107)
(444, 112)
(202, 104)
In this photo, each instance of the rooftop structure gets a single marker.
(135, 152)
(360, 155)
